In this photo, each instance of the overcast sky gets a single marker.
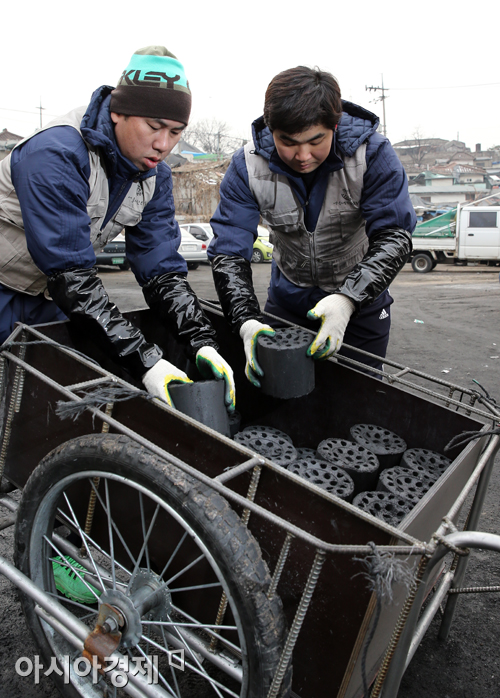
(440, 60)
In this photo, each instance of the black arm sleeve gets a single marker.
(234, 286)
(81, 295)
(175, 302)
(388, 252)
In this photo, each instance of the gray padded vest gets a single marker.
(17, 268)
(325, 256)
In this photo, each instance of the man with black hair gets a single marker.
(72, 187)
(335, 198)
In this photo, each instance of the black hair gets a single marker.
(301, 97)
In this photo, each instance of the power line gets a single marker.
(447, 87)
(21, 111)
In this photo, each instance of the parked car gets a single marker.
(114, 254)
(262, 248)
(194, 251)
(201, 231)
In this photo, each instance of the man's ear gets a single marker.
(115, 118)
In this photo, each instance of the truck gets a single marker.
(468, 233)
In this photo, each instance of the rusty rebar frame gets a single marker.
(404, 649)
(412, 547)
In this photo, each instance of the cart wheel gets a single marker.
(153, 528)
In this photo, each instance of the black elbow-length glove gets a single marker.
(387, 254)
(81, 295)
(173, 299)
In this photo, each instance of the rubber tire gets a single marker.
(125, 266)
(193, 265)
(257, 257)
(422, 263)
(234, 549)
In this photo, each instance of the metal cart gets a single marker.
(210, 570)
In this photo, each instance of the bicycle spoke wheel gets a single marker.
(103, 521)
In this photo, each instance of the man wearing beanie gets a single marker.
(335, 198)
(69, 189)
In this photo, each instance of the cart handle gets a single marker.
(460, 539)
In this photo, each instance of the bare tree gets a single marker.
(419, 147)
(212, 136)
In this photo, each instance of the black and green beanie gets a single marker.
(153, 85)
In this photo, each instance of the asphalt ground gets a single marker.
(445, 323)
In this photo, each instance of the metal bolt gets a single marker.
(110, 625)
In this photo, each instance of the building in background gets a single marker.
(444, 173)
(7, 141)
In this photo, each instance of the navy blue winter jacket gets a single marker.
(384, 203)
(50, 173)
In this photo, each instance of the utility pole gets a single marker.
(40, 108)
(382, 99)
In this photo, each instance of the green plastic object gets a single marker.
(69, 583)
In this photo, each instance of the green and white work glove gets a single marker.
(157, 379)
(249, 333)
(334, 312)
(211, 365)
